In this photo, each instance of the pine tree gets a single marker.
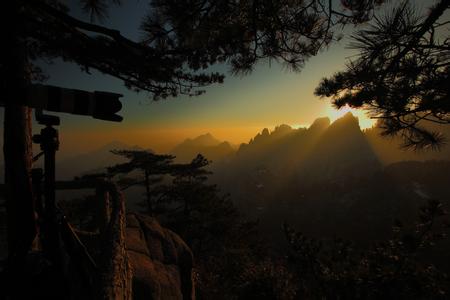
(402, 74)
(153, 167)
(189, 183)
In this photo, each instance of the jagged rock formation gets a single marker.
(160, 260)
(322, 152)
(281, 149)
(342, 153)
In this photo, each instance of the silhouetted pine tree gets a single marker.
(152, 166)
(189, 183)
(401, 74)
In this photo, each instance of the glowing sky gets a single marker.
(234, 111)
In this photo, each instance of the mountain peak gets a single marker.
(348, 121)
(206, 135)
(206, 139)
(320, 124)
(282, 129)
(349, 115)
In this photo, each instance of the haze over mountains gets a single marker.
(324, 150)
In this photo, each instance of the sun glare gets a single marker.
(297, 126)
(364, 120)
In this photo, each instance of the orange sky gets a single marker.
(164, 139)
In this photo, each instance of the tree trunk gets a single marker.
(17, 146)
(19, 202)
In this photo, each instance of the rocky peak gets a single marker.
(320, 124)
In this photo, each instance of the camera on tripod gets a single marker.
(97, 104)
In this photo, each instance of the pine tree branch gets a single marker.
(65, 18)
(435, 14)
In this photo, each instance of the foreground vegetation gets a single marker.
(234, 262)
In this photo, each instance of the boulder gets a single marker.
(161, 261)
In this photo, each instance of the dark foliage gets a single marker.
(182, 39)
(232, 262)
(394, 269)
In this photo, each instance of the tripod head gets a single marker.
(48, 139)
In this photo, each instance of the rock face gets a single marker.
(161, 262)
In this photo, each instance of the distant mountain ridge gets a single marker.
(207, 145)
(322, 148)
(342, 141)
(324, 151)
